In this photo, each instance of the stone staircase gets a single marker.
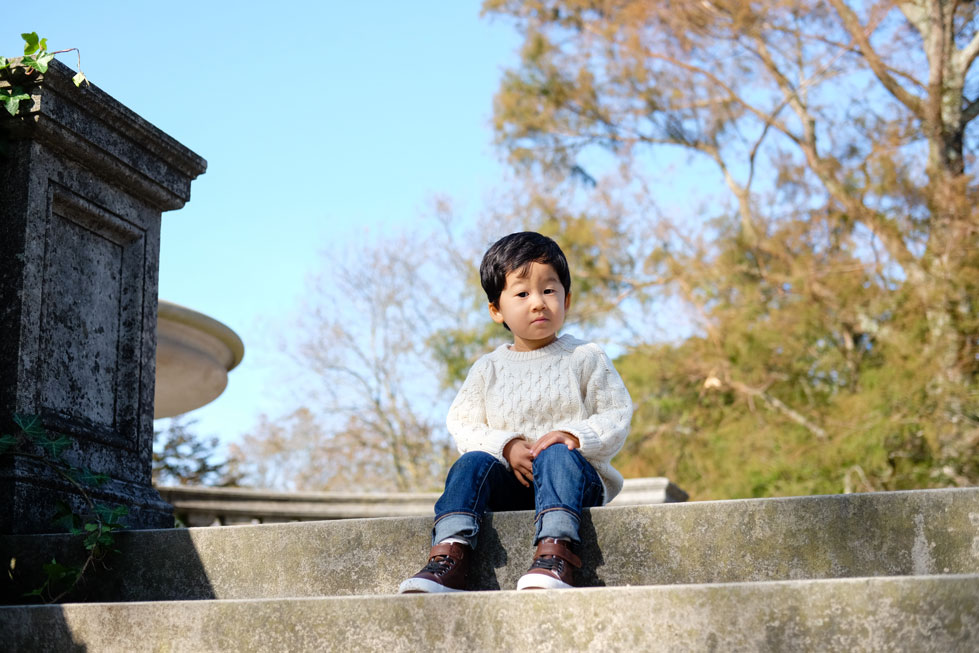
(885, 571)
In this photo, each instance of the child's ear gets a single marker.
(567, 302)
(495, 313)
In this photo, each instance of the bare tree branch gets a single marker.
(857, 32)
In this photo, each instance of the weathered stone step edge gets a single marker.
(883, 534)
(925, 613)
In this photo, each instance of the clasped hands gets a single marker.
(520, 453)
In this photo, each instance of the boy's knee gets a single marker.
(556, 455)
(473, 460)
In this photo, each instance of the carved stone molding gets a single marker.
(83, 185)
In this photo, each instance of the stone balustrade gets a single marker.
(210, 506)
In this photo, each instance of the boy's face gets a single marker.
(533, 304)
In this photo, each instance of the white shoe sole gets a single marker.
(541, 582)
(424, 586)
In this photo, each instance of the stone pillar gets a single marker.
(82, 188)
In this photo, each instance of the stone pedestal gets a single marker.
(82, 189)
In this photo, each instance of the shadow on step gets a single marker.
(506, 550)
(46, 628)
(144, 568)
(590, 553)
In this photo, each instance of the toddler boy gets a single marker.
(537, 423)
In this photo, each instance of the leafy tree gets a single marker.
(181, 457)
(371, 413)
(291, 453)
(832, 281)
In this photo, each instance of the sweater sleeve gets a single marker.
(608, 408)
(467, 421)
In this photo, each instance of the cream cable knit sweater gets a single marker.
(569, 385)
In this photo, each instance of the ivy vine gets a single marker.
(35, 61)
(94, 527)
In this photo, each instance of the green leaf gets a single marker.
(31, 43)
(4, 63)
(65, 518)
(110, 516)
(29, 424)
(12, 101)
(57, 571)
(44, 45)
(54, 446)
(86, 476)
(39, 62)
(98, 540)
(8, 442)
(43, 61)
(90, 527)
(78, 78)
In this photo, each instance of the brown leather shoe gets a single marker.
(553, 567)
(447, 570)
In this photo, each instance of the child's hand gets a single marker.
(554, 437)
(517, 453)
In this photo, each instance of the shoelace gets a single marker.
(550, 563)
(439, 565)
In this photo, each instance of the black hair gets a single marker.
(514, 252)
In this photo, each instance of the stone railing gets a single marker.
(207, 506)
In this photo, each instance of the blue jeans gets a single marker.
(564, 483)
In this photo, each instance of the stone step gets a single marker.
(881, 534)
(923, 613)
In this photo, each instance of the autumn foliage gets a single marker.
(829, 277)
(770, 212)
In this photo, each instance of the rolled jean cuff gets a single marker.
(558, 523)
(456, 524)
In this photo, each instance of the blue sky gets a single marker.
(318, 120)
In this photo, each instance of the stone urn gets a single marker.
(194, 354)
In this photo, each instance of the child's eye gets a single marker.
(548, 291)
(523, 293)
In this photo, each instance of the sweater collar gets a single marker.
(562, 344)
